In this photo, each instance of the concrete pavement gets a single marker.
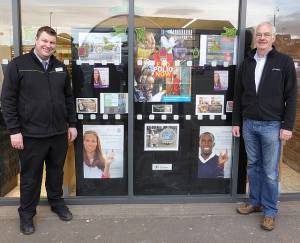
(153, 223)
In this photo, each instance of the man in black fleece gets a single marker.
(38, 109)
(265, 100)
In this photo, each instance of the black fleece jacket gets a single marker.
(36, 102)
(276, 97)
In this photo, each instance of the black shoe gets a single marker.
(62, 212)
(26, 226)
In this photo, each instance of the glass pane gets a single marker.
(6, 37)
(285, 16)
(90, 43)
(184, 73)
(9, 162)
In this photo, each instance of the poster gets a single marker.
(86, 105)
(209, 105)
(215, 148)
(229, 106)
(161, 82)
(101, 77)
(163, 66)
(162, 109)
(217, 50)
(161, 137)
(113, 103)
(220, 80)
(99, 47)
(103, 151)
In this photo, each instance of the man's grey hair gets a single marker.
(267, 23)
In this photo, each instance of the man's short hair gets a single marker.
(267, 23)
(209, 134)
(47, 29)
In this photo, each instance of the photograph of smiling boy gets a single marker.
(214, 156)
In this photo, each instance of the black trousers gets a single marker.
(52, 151)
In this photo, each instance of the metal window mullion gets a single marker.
(240, 58)
(130, 173)
(17, 27)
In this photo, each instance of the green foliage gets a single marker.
(229, 32)
(140, 35)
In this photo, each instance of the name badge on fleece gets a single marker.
(59, 69)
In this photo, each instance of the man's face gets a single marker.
(264, 37)
(206, 144)
(45, 45)
(149, 83)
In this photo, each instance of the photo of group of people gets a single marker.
(163, 67)
(214, 157)
(103, 149)
(161, 137)
(209, 104)
(110, 103)
(86, 105)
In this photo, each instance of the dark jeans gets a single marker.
(52, 151)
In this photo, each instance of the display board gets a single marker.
(183, 92)
(100, 83)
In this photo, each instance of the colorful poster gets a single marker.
(113, 103)
(162, 82)
(103, 151)
(220, 80)
(209, 105)
(161, 137)
(163, 65)
(101, 77)
(86, 105)
(215, 148)
(217, 50)
(99, 47)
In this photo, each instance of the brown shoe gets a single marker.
(247, 209)
(268, 223)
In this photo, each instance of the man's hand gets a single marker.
(72, 134)
(17, 141)
(285, 135)
(236, 131)
(223, 157)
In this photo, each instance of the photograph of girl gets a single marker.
(95, 163)
(101, 78)
(103, 151)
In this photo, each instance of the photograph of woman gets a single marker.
(217, 81)
(101, 78)
(95, 163)
(220, 80)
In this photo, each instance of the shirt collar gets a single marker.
(205, 160)
(256, 57)
(40, 59)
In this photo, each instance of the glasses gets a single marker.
(267, 34)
